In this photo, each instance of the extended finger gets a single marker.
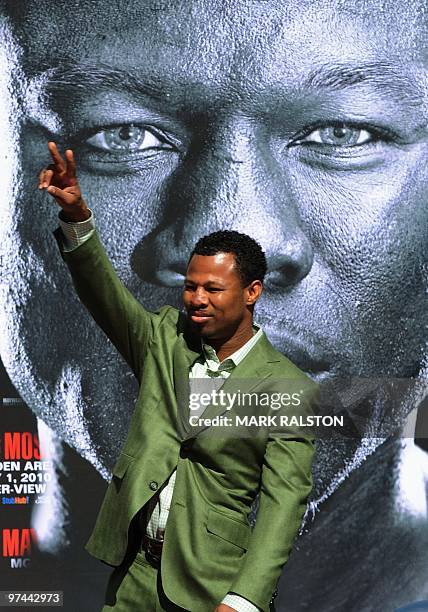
(56, 156)
(71, 164)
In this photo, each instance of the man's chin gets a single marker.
(202, 328)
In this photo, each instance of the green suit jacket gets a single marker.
(209, 548)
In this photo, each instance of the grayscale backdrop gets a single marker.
(302, 123)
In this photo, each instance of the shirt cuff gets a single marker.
(76, 233)
(240, 604)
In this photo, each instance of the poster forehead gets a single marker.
(194, 24)
(234, 50)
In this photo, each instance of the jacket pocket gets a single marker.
(122, 465)
(227, 527)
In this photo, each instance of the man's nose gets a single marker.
(198, 298)
(228, 180)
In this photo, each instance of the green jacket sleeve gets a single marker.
(125, 321)
(286, 482)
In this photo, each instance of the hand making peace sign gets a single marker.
(60, 180)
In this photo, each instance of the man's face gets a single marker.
(213, 296)
(302, 124)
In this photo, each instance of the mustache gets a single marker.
(301, 339)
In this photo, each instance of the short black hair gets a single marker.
(250, 259)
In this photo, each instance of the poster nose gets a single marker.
(229, 181)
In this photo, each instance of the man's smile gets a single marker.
(199, 316)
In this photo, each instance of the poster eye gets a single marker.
(127, 138)
(339, 135)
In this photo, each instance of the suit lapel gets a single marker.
(186, 350)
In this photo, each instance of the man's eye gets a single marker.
(126, 138)
(338, 135)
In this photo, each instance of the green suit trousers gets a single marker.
(137, 586)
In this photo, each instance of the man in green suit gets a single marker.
(181, 493)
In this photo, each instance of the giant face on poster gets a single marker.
(300, 123)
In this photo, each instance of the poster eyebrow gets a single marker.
(84, 78)
(383, 76)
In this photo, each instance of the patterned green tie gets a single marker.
(225, 366)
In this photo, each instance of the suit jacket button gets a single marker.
(153, 485)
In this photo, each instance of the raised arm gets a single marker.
(125, 321)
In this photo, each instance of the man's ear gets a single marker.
(254, 291)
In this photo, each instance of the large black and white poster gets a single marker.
(301, 123)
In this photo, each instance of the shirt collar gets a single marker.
(236, 357)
